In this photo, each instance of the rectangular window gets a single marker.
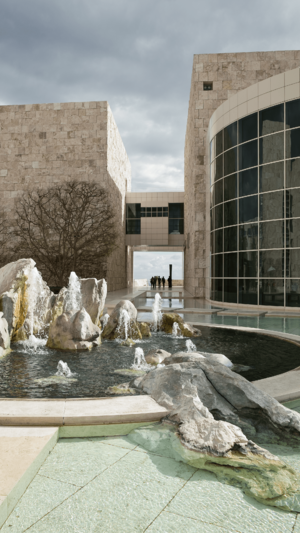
(218, 260)
(143, 212)
(230, 161)
(248, 291)
(133, 227)
(159, 211)
(248, 239)
(248, 128)
(271, 205)
(271, 234)
(248, 182)
(165, 211)
(133, 210)
(271, 119)
(230, 213)
(292, 203)
(230, 136)
(293, 173)
(293, 263)
(219, 241)
(207, 86)
(230, 239)
(272, 264)
(292, 111)
(248, 209)
(271, 292)
(230, 290)
(293, 292)
(218, 192)
(148, 211)
(230, 265)
(271, 177)
(230, 187)
(218, 216)
(293, 233)
(176, 210)
(248, 264)
(219, 143)
(271, 148)
(154, 211)
(176, 226)
(248, 155)
(216, 290)
(292, 147)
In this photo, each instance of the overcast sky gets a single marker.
(138, 55)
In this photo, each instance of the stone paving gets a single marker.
(107, 484)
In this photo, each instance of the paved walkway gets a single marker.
(106, 485)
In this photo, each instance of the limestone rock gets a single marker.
(156, 356)
(17, 290)
(128, 342)
(73, 332)
(259, 473)
(93, 294)
(144, 328)
(115, 327)
(186, 330)
(4, 336)
(123, 388)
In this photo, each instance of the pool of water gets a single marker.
(95, 370)
(174, 302)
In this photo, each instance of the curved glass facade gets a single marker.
(255, 209)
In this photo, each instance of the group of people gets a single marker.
(157, 282)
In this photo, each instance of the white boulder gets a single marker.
(4, 336)
(73, 332)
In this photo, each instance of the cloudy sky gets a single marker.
(138, 55)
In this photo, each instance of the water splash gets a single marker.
(73, 298)
(63, 370)
(36, 301)
(34, 344)
(156, 312)
(103, 294)
(124, 321)
(176, 330)
(139, 360)
(190, 346)
(105, 320)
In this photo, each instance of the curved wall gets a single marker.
(255, 195)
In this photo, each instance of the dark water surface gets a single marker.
(94, 370)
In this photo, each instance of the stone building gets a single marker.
(243, 83)
(45, 144)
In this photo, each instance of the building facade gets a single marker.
(226, 84)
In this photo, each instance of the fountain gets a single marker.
(124, 322)
(156, 312)
(73, 298)
(190, 346)
(140, 362)
(175, 330)
(105, 319)
(63, 370)
(36, 308)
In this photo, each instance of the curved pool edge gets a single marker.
(283, 387)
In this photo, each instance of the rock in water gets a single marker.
(115, 329)
(73, 332)
(215, 412)
(156, 356)
(16, 289)
(4, 336)
(186, 330)
(93, 297)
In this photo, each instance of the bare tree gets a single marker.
(7, 245)
(69, 227)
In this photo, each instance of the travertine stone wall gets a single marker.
(229, 73)
(45, 144)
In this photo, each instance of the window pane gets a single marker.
(293, 233)
(271, 120)
(248, 128)
(293, 292)
(292, 111)
(216, 289)
(230, 239)
(272, 264)
(248, 155)
(230, 161)
(133, 227)
(212, 219)
(230, 290)
(176, 210)
(292, 147)
(159, 213)
(248, 209)
(143, 211)
(230, 136)
(230, 213)
(154, 211)
(218, 260)
(148, 211)
(271, 148)
(271, 205)
(271, 234)
(293, 263)
(271, 177)
(230, 265)
(176, 226)
(248, 264)
(248, 291)
(293, 173)
(219, 241)
(165, 211)
(230, 187)
(219, 216)
(271, 292)
(248, 182)
(133, 210)
(219, 167)
(292, 198)
(248, 237)
(219, 192)
(219, 143)
(212, 242)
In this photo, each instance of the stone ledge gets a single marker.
(79, 412)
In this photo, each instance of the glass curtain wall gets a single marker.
(255, 209)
